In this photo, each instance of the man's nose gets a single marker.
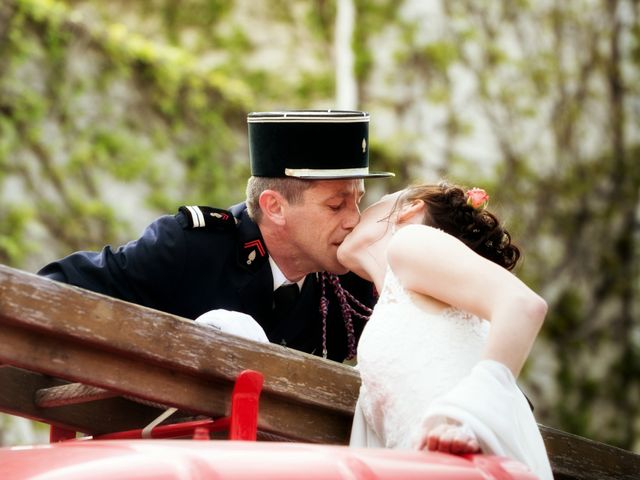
(352, 218)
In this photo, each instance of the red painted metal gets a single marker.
(242, 422)
(60, 434)
(244, 406)
(220, 459)
(172, 430)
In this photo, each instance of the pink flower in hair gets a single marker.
(477, 198)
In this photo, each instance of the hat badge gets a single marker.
(364, 145)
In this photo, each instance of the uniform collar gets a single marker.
(278, 277)
(252, 251)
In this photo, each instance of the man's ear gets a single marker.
(271, 205)
(409, 212)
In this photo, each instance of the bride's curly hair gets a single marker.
(479, 229)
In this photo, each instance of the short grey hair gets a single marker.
(292, 189)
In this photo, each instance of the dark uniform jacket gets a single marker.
(187, 265)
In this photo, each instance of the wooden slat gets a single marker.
(84, 337)
(19, 388)
(66, 332)
(70, 394)
(85, 317)
(17, 397)
(574, 457)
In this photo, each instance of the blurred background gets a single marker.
(113, 112)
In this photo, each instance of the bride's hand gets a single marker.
(450, 438)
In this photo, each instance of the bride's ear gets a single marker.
(410, 210)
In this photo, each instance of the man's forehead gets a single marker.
(340, 188)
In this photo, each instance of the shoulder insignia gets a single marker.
(208, 217)
(253, 249)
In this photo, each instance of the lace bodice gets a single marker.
(432, 350)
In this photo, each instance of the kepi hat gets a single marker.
(310, 144)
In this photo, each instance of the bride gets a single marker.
(451, 331)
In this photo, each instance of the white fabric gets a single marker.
(235, 323)
(489, 402)
(409, 357)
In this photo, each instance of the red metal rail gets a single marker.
(242, 422)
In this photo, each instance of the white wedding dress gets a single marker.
(418, 368)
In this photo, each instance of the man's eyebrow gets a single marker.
(341, 193)
(345, 193)
(336, 196)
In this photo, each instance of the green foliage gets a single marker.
(14, 241)
(320, 19)
(373, 17)
(109, 117)
(566, 317)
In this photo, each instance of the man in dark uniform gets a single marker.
(302, 200)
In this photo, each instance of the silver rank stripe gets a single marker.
(196, 216)
(310, 117)
(327, 172)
